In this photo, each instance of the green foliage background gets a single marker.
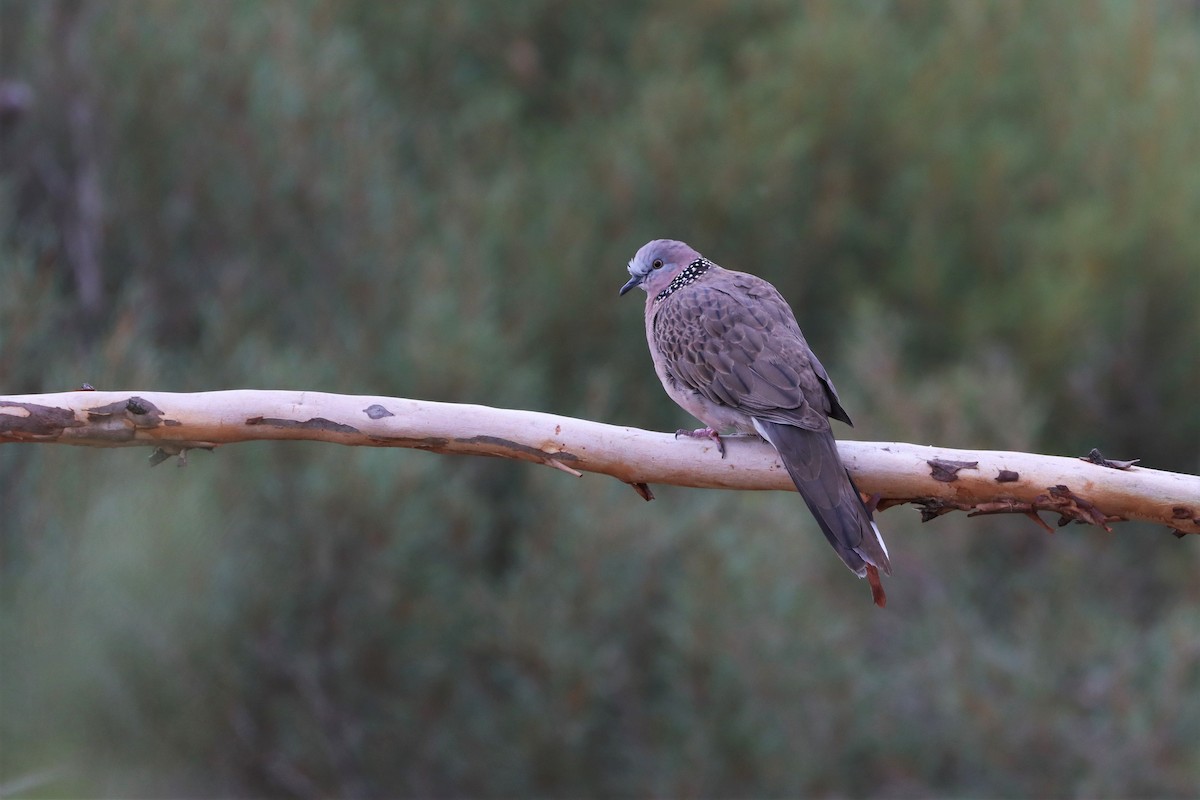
(984, 213)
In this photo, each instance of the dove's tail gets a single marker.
(812, 460)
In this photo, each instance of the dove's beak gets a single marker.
(636, 280)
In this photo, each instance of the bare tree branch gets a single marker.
(936, 478)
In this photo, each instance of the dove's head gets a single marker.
(657, 264)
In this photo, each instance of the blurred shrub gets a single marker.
(983, 213)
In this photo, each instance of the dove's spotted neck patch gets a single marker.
(687, 275)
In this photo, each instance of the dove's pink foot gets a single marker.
(703, 433)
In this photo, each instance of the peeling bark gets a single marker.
(938, 480)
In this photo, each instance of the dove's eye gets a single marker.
(657, 263)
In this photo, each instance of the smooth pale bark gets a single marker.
(939, 479)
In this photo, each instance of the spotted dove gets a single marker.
(729, 351)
